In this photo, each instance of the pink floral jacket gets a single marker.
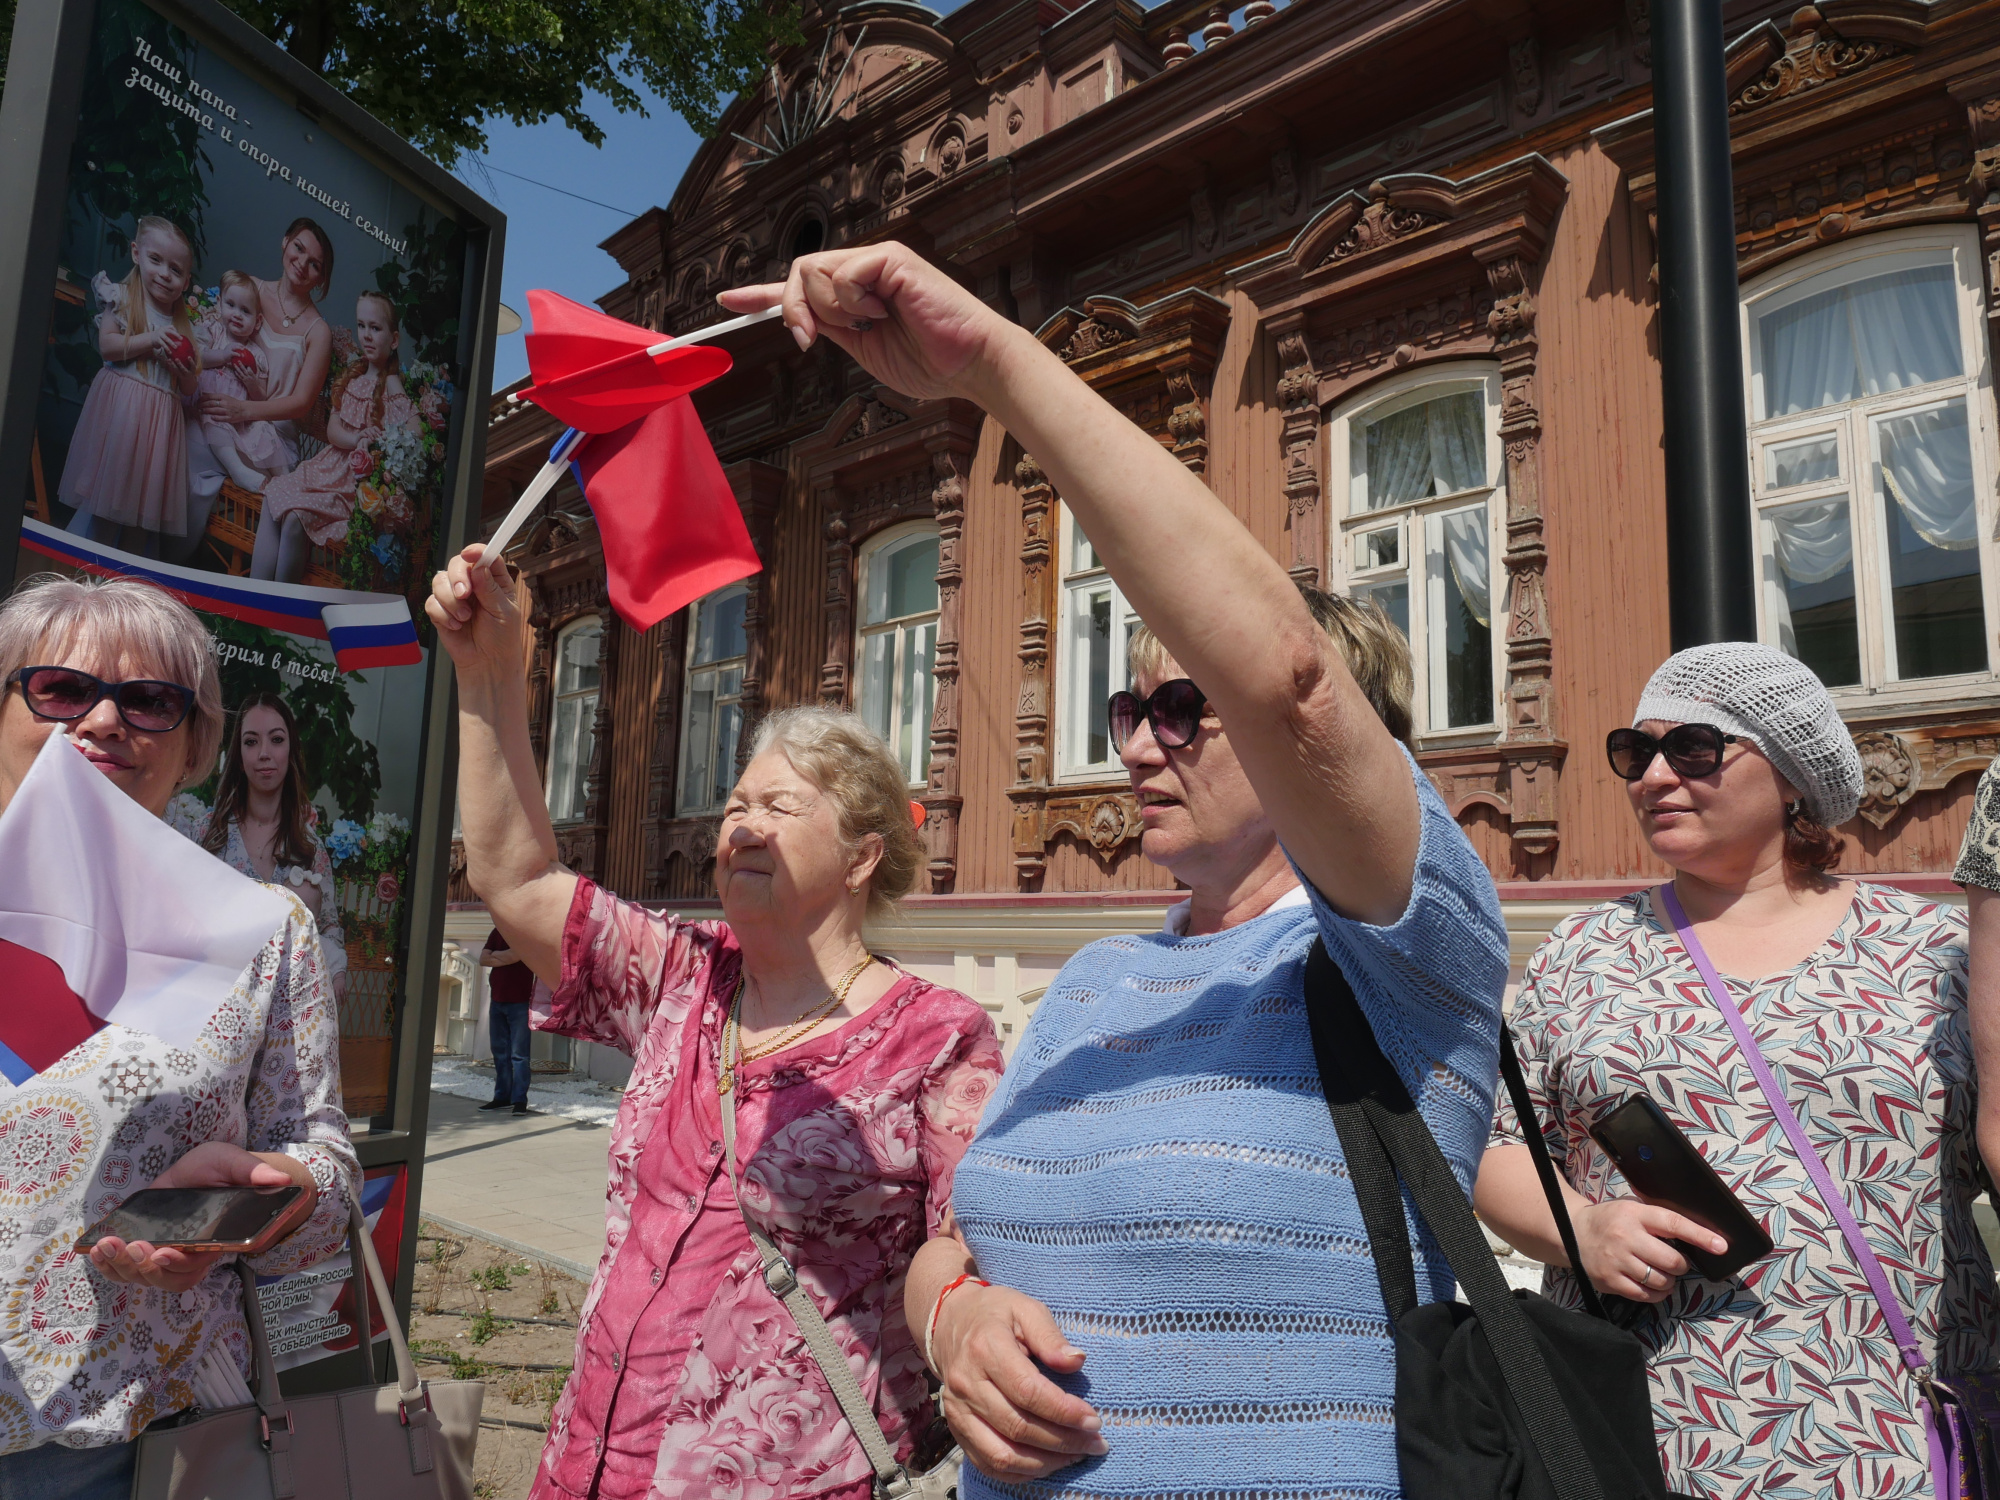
(690, 1379)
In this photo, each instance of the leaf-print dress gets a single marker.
(1783, 1383)
(690, 1380)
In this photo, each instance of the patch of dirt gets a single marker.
(483, 1313)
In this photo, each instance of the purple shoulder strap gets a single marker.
(1830, 1195)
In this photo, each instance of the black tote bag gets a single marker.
(1512, 1397)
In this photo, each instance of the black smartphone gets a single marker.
(244, 1219)
(1666, 1170)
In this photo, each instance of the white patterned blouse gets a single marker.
(85, 1362)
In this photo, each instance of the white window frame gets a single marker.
(1418, 522)
(587, 719)
(685, 806)
(1072, 662)
(1854, 424)
(915, 760)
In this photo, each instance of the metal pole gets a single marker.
(1710, 547)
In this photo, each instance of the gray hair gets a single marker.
(52, 615)
(837, 752)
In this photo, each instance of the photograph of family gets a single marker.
(255, 353)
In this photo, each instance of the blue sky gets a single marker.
(552, 237)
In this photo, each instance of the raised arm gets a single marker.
(510, 845)
(1331, 778)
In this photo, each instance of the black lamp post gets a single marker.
(1710, 547)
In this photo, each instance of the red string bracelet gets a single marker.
(930, 1328)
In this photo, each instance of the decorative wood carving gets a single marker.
(1029, 793)
(907, 461)
(1897, 765)
(1434, 269)
(758, 487)
(1980, 96)
(1101, 819)
(663, 769)
(1815, 55)
(1524, 70)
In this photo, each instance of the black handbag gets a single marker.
(1511, 1397)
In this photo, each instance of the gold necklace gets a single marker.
(291, 318)
(732, 1028)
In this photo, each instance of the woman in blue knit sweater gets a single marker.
(1182, 1300)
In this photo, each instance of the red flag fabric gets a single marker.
(668, 520)
(593, 372)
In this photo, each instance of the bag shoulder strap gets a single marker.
(890, 1476)
(1384, 1137)
(1545, 1169)
(1774, 1095)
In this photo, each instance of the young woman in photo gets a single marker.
(311, 505)
(262, 825)
(127, 464)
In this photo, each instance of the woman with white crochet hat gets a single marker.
(1787, 1377)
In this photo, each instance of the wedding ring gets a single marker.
(1646, 1277)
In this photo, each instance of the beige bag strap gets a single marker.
(412, 1401)
(891, 1478)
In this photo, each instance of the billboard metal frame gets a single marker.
(45, 71)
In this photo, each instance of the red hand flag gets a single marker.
(596, 373)
(666, 515)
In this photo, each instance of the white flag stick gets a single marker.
(716, 330)
(532, 496)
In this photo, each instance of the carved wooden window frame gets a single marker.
(557, 696)
(867, 552)
(1069, 768)
(1421, 270)
(689, 669)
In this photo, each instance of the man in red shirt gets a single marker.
(510, 984)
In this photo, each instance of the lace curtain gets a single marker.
(1927, 470)
(1437, 448)
(1466, 551)
(1868, 338)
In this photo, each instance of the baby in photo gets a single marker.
(233, 364)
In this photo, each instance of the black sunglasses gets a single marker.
(1693, 750)
(66, 695)
(1173, 709)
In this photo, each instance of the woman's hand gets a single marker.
(911, 326)
(1010, 1418)
(225, 409)
(212, 1164)
(1625, 1251)
(477, 614)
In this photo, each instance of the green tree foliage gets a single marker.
(436, 70)
(336, 757)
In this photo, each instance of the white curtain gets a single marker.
(1438, 448)
(1870, 337)
(1927, 469)
(1813, 541)
(1465, 547)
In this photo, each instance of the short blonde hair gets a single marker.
(1376, 653)
(51, 615)
(838, 753)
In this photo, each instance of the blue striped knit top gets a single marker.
(1159, 1168)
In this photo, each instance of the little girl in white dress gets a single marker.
(234, 364)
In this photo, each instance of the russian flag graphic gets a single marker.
(365, 630)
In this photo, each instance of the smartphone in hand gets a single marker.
(1665, 1169)
(246, 1220)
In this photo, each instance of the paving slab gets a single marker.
(532, 1183)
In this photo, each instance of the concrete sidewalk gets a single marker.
(531, 1183)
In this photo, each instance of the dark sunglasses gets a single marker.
(65, 694)
(1693, 750)
(1173, 709)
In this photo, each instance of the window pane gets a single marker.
(1933, 538)
(719, 627)
(1810, 578)
(1808, 461)
(1871, 337)
(1465, 642)
(576, 658)
(569, 755)
(1082, 556)
(698, 782)
(875, 681)
(728, 729)
(1378, 549)
(902, 580)
(1437, 448)
(1394, 599)
(1094, 648)
(913, 729)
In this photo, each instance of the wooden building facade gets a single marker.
(1382, 272)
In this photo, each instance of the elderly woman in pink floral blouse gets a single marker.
(857, 1084)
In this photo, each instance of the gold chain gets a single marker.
(732, 1028)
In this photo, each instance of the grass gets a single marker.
(483, 1327)
(498, 1278)
(463, 1366)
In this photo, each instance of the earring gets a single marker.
(1795, 810)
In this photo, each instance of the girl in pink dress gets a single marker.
(127, 463)
(233, 364)
(311, 505)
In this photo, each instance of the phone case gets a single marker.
(168, 1204)
(1664, 1168)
